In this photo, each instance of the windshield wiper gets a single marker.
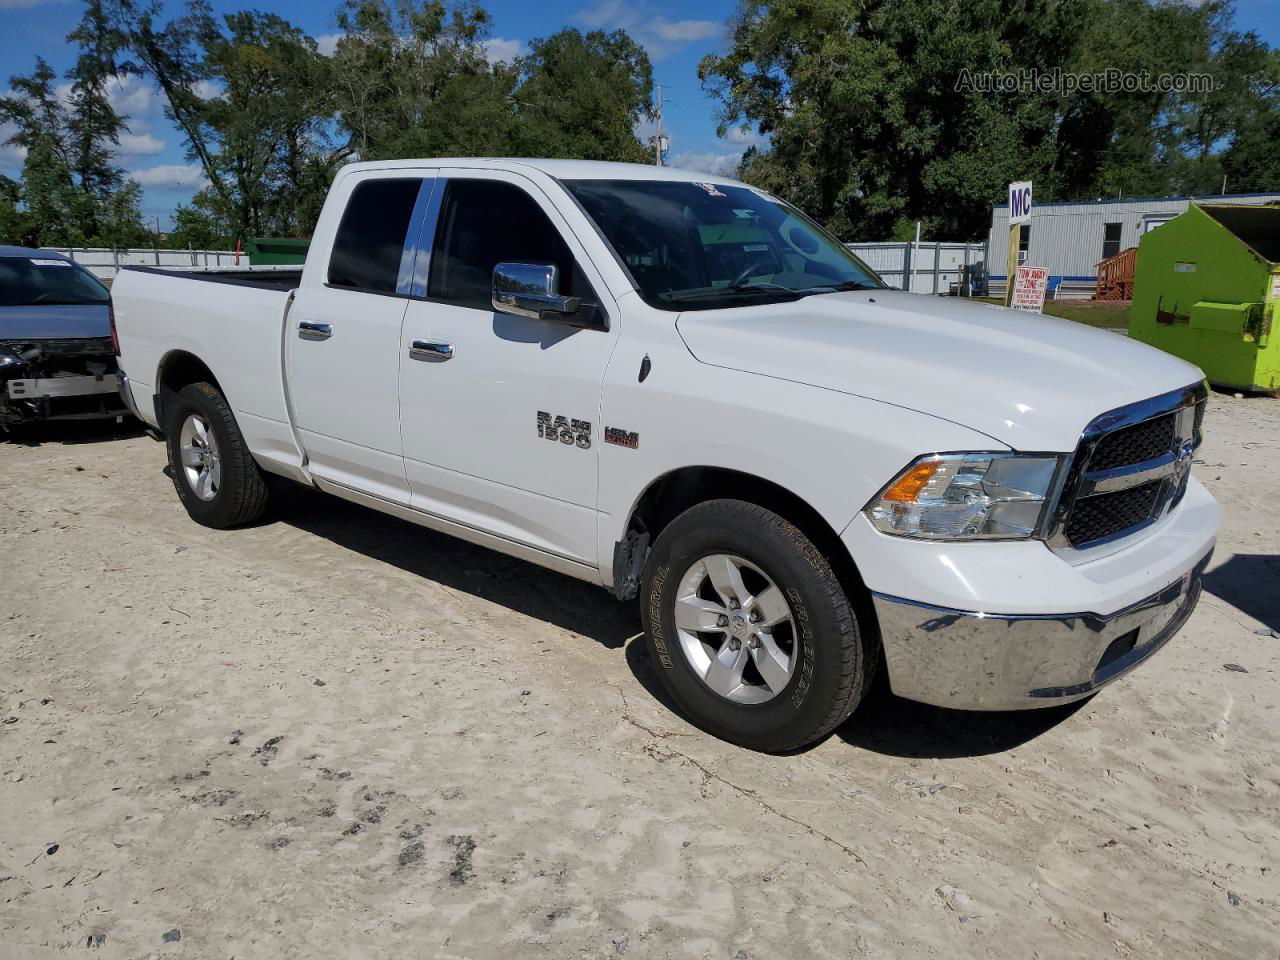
(771, 290)
(842, 287)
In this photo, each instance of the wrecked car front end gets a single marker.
(57, 356)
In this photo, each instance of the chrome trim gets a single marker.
(311, 330)
(407, 276)
(126, 394)
(994, 661)
(35, 388)
(1172, 469)
(530, 290)
(432, 351)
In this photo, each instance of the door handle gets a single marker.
(432, 351)
(310, 330)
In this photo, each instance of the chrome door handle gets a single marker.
(310, 330)
(432, 351)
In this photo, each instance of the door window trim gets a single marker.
(431, 221)
(410, 251)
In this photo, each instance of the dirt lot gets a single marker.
(337, 735)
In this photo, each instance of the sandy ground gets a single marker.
(337, 735)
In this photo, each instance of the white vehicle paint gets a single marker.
(822, 399)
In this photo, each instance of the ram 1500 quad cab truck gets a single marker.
(677, 386)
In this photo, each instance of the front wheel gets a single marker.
(215, 475)
(750, 629)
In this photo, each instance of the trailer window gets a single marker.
(1110, 240)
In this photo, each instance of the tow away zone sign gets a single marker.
(1029, 289)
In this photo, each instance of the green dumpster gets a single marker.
(1207, 289)
(264, 251)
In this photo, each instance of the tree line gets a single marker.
(857, 104)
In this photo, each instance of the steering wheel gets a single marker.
(750, 268)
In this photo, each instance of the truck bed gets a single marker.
(272, 278)
(235, 329)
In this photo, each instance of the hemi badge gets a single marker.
(623, 438)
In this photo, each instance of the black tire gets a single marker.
(241, 495)
(837, 660)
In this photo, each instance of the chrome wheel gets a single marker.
(736, 628)
(200, 462)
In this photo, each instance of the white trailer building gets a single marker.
(1070, 239)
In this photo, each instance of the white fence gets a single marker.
(104, 262)
(936, 267)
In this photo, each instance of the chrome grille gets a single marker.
(1130, 469)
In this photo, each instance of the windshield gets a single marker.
(697, 246)
(25, 281)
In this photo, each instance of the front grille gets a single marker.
(1106, 514)
(1101, 500)
(1135, 444)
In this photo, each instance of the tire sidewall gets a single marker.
(203, 400)
(797, 568)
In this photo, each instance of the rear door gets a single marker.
(343, 336)
(504, 435)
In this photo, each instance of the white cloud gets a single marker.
(133, 97)
(658, 34)
(140, 144)
(327, 43)
(720, 164)
(504, 50)
(747, 137)
(208, 90)
(19, 4)
(175, 175)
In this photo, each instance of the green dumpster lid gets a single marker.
(1256, 226)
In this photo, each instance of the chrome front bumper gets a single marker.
(984, 661)
(35, 388)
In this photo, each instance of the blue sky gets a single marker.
(676, 35)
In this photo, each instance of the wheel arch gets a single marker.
(674, 492)
(177, 369)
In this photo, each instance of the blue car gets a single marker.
(57, 340)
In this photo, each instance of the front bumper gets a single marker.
(37, 388)
(983, 661)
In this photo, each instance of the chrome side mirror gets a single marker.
(531, 290)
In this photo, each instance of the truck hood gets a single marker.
(55, 322)
(1029, 381)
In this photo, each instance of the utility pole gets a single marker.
(658, 136)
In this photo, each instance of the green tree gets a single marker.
(867, 127)
(198, 227)
(72, 190)
(252, 97)
(581, 96)
(411, 80)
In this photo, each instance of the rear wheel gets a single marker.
(213, 471)
(750, 628)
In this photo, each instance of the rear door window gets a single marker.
(373, 243)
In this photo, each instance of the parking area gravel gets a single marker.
(335, 734)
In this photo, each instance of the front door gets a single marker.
(500, 415)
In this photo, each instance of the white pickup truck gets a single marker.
(676, 386)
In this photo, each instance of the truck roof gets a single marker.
(560, 169)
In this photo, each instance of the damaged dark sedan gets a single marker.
(57, 351)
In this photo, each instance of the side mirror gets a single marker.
(531, 290)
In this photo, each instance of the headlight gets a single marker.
(967, 496)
